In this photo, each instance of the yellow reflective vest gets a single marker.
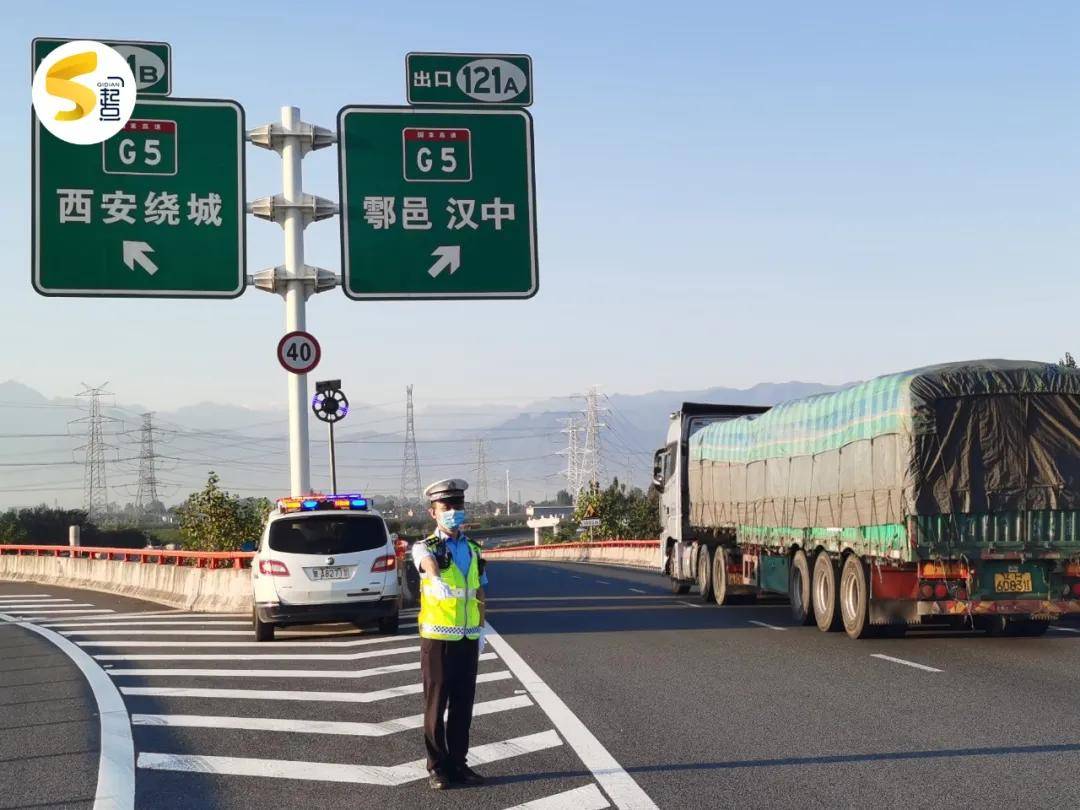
(458, 616)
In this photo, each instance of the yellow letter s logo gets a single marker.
(58, 83)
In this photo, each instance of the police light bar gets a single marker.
(314, 503)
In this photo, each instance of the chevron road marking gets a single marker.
(387, 775)
(317, 726)
(324, 697)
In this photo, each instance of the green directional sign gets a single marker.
(155, 211)
(437, 203)
(469, 79)
(150, 62)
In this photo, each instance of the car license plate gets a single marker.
(335, 572)
(1012, 582)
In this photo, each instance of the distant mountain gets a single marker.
(41, 459)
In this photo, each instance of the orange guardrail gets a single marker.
(195, 559)
(598, 544)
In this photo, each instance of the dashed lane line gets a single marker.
(1064, 629)
(346, 674)
(602, 582)
(357, 656)
(582, 798)
(301, 696)
(638, 590)
(262, 645)
(905, 663)
(616, 782)
(766, 625)
(387, 775)
(691, 604)
(116, 773)
(382, 729)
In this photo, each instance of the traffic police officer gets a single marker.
(451, 623)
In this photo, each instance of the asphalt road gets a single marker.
(702, 706)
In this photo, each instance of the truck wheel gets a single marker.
(704, 574)
(679, 587)
(802, 606)
(855, 598)
(826, 596)
(264, 631)
(719, 578)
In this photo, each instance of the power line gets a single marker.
(481, 474)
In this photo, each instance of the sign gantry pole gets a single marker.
(295, 298)
(294, 281)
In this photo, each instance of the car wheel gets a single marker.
(264, 631)
(389, 624)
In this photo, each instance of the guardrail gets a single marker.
(596, 544)
(193, 559)
(629, 553)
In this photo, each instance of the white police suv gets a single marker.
(325, 558)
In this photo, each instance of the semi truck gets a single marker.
(948, 494)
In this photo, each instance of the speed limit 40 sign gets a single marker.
(298, 352)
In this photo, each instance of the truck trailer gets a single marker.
(948, 494)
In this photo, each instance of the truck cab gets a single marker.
(678, 543)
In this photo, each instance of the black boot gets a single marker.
(464, 775)
(437, 780)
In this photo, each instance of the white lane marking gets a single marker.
(383, 729)
(766, 625)
(13, 597)
(616, 782)
(637, 590)
(116, 757)
(42, 606)
(283, 694)
(582, 798)
(386, 775)
(48, 614)
(264, 656)
(905, 663)
(157, 633)
(164, 619)
(347, 674)
(262, 645)
(574, 576)
(602, 582)
(690, 604)
(1064, 629)
(94, 625)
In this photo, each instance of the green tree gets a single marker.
(215, 520)
(1068, 361)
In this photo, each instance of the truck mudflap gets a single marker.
(1038, 608)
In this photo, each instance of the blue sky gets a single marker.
(728, 193)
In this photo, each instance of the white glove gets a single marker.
(483, 641)
(439, 589)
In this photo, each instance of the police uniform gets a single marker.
(450, 629)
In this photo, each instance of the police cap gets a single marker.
(447, 489)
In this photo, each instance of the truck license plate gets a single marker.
(1012, 582)
(336, 572)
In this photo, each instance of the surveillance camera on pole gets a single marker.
(330, 405)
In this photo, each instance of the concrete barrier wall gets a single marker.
(630, 556)
(226, 590)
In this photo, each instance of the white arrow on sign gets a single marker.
(449, 259)
(135, 253)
